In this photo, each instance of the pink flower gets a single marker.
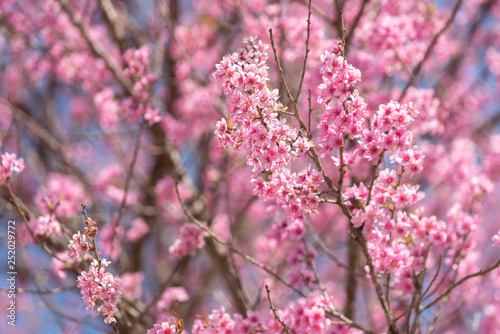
(62, 196)
(45, 226)
(138, 230)
(78, 246)
(132, 285)
(190, 239)
(9, 165)
(96, 284)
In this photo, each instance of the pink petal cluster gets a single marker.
(256, 128)
(9, 165)
(297, 193)
(132, 285)
(62, 196)
(101, 288)
(111, 237)
(170, 295)
(138, 230)
(108, 108)
(137, 70)
(305, 315)
(78, 246)
(165, 326)
(45, 226)
(191, 238)
(254, 125)
(345, 111)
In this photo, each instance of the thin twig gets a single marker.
(316, 275)
(378, 288)
(438, 313)
(435, 275)
(165, 284)
(314, 155)
(276, 316)
(307, 51)
(280, 70)
(94, 243)
(323, 247)
(216, 238)
(21, 211)
(310, 113)
(121, 210)
(343, 31)
(464, 279)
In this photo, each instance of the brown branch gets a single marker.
(47, 138)
(216, 238)
(25, 214)
(307, 51)
(248, 258)
(457, 60)
(233, 282)
(88, 222)
(351, 278)
(313, 269)
(128, 179)
(314, 155)
(276, 316)
(165, 284)
(378, 288)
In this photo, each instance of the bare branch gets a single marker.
(276, 316)
(216, 238)
(307, 52)
(481, 272)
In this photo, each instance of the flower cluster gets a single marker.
(254, 125)
(305, 315)
(132, 285)
(345, 110)
(78, 246)
(101, 288)
(45, 226)
(138, 230)
(10, 165)
(389, 131)
(256, 128)
(79, 250)
(62, 196)
(137, 70)
(191, 238)
(168, 325)
(108, 108)
(172, 294)
(395, 239)
(297, 193)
